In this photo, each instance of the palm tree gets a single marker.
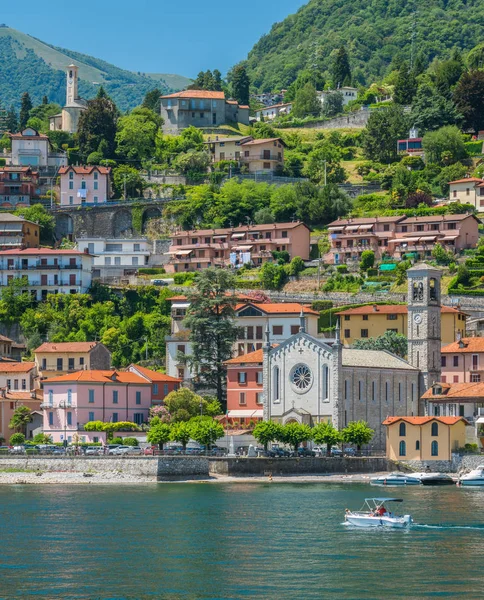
(21, 417)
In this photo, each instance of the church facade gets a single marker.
(309, 380)
(68, 119)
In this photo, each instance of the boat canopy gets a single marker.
(384, 499)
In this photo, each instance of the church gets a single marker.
(308, 379)
(68, 119)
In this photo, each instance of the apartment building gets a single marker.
(200, 108)
(10, 401)
(18, 186)
(260, 156)
(245, 391)
(463, 361)
(251, 318)
(59, 358)
(202, 248)
(469, 190)
(72, 400)
(115, 257)
(17, 232)
(374, 320)
(18, 376)
(81, 186)
(48, 271)
(400, 236)
(161, 384)
(269, 113)
(229, 148)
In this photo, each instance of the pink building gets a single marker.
(463, 361)
(244, 388)
(71, 401)
(161, 384)
(84, 185)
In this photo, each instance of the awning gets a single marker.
(234, 414)
(480, 420)
(428, 238)
(336, 228)
(182, 252)
(388, 267)
(237, 236)
(242, 248)
(451, 236)
(180, 305)
(369, 226)
(217, 237)
(352, 227)
(404, 240)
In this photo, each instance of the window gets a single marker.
(155, 388)
(138, 418)
(180, 348)
(115, 396)
(44, 363)
(69, 418)
(259, 377)
(434, 448)
(386, 227)
(71, 185)
(475, 378)
(24, 384)
(294, 329)
(387, 390)
(360, 390)
(403, 430)
(325, 382)
(51, 418)
(242, 377)
(250, 333)
(402, 450)
(71, 364)
(60, 364)
(91, 396)
(69, 397)
(96, 185)
(435, 429)
(443, 361)
(347, 317)
(134, 260)
(259, 398)
(71, 175)
(284, 234)
(165, 389)
(266, 165)
(138, 397)
(456, 361)
(202, 115)
(365, 317)
(391, 317)
(443, 378)
(275, 384)
(115, 417)
(91, 416)
(277, 329)
(15, 384)
(242, 398)
(258, 332)
(455, 379)
(71, 200)
(364, 333)
(347, 333)
(468, 191)
(475, 362)
(96, 199)
(399, 392)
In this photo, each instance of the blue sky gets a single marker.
(152, 36)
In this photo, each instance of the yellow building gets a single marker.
(54, 359)
(374, 320)
(424, 438)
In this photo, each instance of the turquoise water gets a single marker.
(230, 541)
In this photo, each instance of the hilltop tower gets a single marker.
(68, 119)
(72, 93)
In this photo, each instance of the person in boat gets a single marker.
(381, 511)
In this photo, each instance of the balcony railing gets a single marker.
(261, 156)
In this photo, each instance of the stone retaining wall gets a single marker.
(466, 462)
(245, 466)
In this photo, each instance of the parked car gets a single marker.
(134, 450)
(120, 450)
(17, 450)
(150, 450)
(280, 452)
(305, 452)
(336, 452)
(349, 451)
(112, 447)
(92, 451)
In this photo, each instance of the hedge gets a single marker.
(180, 278)
(248, 284)
(473, 148)
(152, 271)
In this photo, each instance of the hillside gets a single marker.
(373, 32)
(28, 64)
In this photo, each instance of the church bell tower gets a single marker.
(424, 323)
(72, 92)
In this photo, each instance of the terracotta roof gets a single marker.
(237, 138)
(3, 338)
(232, 102)
(18, 367)
(441, 218)
(244, 106)
(390, 309)
(25, 396)
(37, 251)
(467, 179)
(85, 170)
(262, 141)
(66, 347)
(99, 377)
(287, 308)
(471, 344)
(240, 229)
(155, 375)
(367, 220)
(255, 357)
(17, 170)
(423, 420)
(462, 392)
(197, 94)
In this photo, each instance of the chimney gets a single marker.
(33, 395)
(375, 308)
(4, 393)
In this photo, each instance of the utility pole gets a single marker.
(325, 172)
(125, 197)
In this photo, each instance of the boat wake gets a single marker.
(421, 526)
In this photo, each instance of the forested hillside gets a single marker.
(374, 32)
(30, 65)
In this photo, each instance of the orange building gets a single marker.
(245, 387)
(9, 401)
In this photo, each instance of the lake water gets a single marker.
(228, 541)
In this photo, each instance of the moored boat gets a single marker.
(377, 515)
(436, 479)
(396, 479)
(473, 478)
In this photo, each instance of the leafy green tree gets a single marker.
(98, 124)
(326, 433)
(17, 439)
(181, 432)
(325, 161)
(463, 276)
(127, 182)
(14, 300)
(266, 431)
(393, 342)
(296, 266)
(217, 81)
(152, 100)
(183, 404)
(272, 276)
(130, 441)
(295, 434)
(136, 134)
(25, 108)
(446, 73)
(206, 432)
(95, 158)
(312, 76)
(192, 162)
(469, 99)
(21, 417)
(159, 433)
(340, 69)
(382, 133)
(367, 260)
(333, 104)
(430, 110)
(441, 255)
(358, 433)
(444, 146)
(264, 215)
(405, 85)
(210, 319)
(450, 173)
(475, 58)
(40, 215)
(42, 438)
(240, 84)
(307, 102)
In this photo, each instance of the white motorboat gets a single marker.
(377, 515)
(474, 478)
(435, 479)
(396, 478)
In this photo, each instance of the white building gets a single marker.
(31, 148)
(116, 257)
(270, 113)
(48, 271)
(349, 94)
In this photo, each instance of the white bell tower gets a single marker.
(72, 93)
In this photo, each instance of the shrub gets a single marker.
(342, 269)
(321, 305)
(181, 278)
(473, 148)
(17, 439)
(282, 257)
(130, 441)
(117, 440)
(153, 271)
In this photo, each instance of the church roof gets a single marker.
(374, 359)
(286, 308)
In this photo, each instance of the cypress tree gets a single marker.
(341, 71)
(12, 120)
(240, 84)
(25, 108)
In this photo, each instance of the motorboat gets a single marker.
(435, 479)
(475, 477)
(374, 513)
(396, 478)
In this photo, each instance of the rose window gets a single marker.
(301, 378)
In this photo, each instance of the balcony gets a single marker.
(262, 156)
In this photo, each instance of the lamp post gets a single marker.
(63, 404)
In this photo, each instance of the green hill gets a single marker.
(373, 32)
(28, 64)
